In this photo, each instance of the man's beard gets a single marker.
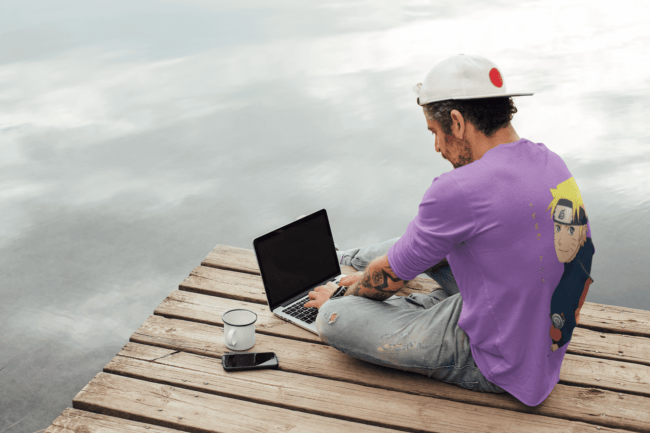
(464, 151)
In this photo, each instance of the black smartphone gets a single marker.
(249, 361)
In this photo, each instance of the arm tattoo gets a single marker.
(380, 280)
(375, 282)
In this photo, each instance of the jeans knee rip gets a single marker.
(333, 318)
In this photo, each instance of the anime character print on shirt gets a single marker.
(575, 250)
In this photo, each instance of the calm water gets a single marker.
(136, 136)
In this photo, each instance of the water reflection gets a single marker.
(135, 137)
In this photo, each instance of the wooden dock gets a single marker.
(169, 378)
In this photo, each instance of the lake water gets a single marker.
(136, 136)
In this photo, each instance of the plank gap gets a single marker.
(78, 421)
(608, 357)
(236, 297)
(229, 268)
(605, 388)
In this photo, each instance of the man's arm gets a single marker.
(378, 281)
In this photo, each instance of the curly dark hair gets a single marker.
(488, 115)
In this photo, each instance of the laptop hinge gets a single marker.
(301, 295)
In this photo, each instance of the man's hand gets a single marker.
(320, 295)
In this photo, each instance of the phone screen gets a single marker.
(249, 360)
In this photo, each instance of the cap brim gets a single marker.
(502, 95)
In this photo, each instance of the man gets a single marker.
(487, 329)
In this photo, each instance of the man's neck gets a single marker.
(484, 143)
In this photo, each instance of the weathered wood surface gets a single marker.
(209, 309)
(205, 339)
(225, 284)
(612, 346)
(368, 405)
(194, 411)
(173, 363)
(192, 371)
(79, 421)
(606, 374)
(247, 287)
(607, 318)
(232, 258)
(324, 361)
(598, 317)
(594, 316)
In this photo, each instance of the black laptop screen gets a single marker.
(297, 257)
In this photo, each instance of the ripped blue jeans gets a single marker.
(418, 333)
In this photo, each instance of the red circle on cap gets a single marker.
(495, 77)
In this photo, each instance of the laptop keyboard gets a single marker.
(297, 310)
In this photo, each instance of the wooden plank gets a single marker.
(604, 318)
(226, 284)
(208, 309)
(616, 347)
(195, 411)
(319, 396)
(77, 421)
(232, 258)
(593, 316)
(325, 361)
(606, 374)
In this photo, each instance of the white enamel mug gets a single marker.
(239, 329)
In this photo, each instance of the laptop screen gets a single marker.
(297, 257)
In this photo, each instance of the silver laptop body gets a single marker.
(293, 260)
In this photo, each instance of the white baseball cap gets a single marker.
(463, 77)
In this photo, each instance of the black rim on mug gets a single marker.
(239, 309)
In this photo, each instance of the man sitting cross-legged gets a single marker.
(487, 329)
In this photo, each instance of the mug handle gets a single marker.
(230, 338)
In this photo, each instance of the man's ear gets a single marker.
(457, 124)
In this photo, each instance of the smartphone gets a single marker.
(249, 361)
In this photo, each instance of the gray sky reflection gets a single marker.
(136, 136)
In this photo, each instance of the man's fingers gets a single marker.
(318, 297)
(313, 302)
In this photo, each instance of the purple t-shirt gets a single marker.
(515, 232)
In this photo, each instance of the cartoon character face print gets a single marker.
(568, 234)
(569, 220)
(568, 240)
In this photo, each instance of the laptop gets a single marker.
(293, 260)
